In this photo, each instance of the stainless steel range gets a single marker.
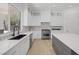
(46, 34)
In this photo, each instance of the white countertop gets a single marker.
(6, 44)
(69, 39)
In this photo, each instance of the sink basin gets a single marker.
(18, 37)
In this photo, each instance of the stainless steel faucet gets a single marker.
(18, 29)
(14, 29)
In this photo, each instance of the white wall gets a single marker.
(2, 21)
(3, 8)
(3, 14)
(71, 20)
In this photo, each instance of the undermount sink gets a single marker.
(17, 37)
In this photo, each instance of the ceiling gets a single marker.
(51, 6)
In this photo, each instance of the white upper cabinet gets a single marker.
(30, 18)
(33, 18)
(36, 17)
(45, 16)
(57, 18)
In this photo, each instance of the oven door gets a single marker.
(46, 34)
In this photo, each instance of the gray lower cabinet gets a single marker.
(60, 48)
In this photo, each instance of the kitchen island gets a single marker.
(65, 43)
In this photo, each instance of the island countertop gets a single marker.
(6, 44)
(69, 39)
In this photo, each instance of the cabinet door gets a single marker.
(34, 20)
(12, 51)
(3, 15)
(60, 48)
(64, 50)
(22, 48)
(36, 34)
